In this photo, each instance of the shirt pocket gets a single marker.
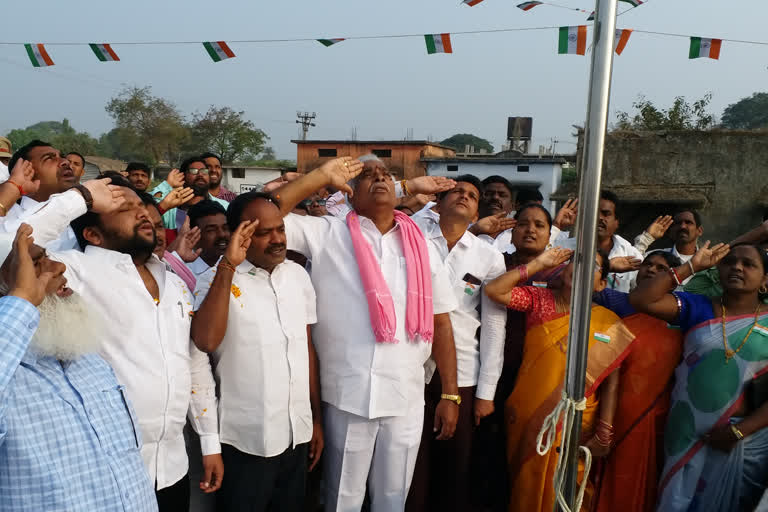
(114, 421)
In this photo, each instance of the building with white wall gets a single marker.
(243, 178)
(543, 174)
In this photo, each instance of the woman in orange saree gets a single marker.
(540, 379)
(627, 480)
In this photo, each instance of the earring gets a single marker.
(763, 290)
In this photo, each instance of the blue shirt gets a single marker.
(616, 301)
(68, 437)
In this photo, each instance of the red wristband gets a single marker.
(21, 189)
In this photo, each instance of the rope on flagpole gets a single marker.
(567, 408)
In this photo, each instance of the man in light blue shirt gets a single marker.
(68, 436)
(196, 177)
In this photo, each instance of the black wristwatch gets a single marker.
(86, 195)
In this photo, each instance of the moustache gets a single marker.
(275, 248)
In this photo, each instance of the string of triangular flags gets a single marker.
(527, 6)
(571, 40)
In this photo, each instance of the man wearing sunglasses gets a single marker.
(315, 204)
(196, 177)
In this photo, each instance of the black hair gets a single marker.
(605, 267)
(238, 205)
(696, 215)
(765, 215)
(760, 250)
(90, 219)
(672, 260)
(204, 208)
(137, 166)
(76, 154)
(402, 208)
(466, 178)
(23, 152)
(499, 179)
(529, 195)
(537, 206)
(148, 200)
(607, 195)
(208, 154)
(184, 166)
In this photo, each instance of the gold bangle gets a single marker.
(736, 432)
(404, 185)
(5, 210)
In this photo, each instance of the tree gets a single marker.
(268, 154)
(148, 128)
(59, 133)
(225, 132)
(461, 140)
(748, 113)
(680, 116)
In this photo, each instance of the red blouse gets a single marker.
(538, 303)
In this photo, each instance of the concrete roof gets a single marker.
(490, 159)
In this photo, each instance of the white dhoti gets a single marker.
(380, 452)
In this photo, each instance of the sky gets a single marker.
(379, 87)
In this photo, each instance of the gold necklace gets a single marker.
(729, 353)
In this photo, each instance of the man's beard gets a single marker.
(199, 190)
(67, 329)
(136, 247)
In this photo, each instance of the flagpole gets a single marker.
(589, 197)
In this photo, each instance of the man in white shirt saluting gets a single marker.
(471, 263)
(147, 314)
(383, 303)
(254, 312)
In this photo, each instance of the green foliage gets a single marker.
(148, 128)
(749, 113)
(59, 133)
(225, 132)
(680, 116)
(461, 140)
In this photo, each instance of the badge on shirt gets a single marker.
(602, 337)
(540, 284)
(471, 283)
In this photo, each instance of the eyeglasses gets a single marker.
(195, 172)
(310, 202)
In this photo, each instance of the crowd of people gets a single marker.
(344, 340)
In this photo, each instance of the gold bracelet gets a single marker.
(5, 210)
(736, 432)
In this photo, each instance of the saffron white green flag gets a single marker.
(704, 47)
(104, 52)
(330, 42)
(438, 43)
(218, 50)
(38, 55)
(634, 3)
(472, 3)
(573, 40)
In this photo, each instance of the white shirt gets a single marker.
(5, 175)
(147, 345)
(197, 266)
(63, 240)
(262, 364)
(359, 375)
(617, 281)
(479, 363)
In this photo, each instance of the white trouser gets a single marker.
(381, 451)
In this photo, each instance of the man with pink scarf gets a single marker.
(383, 300)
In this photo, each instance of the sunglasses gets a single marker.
(195, 172)
(309, 202)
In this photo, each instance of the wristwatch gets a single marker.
(452, 398)
(86, 195)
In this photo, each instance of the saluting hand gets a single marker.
(659, 227)
(107, 198)
(22, 277)
(554, 257)
(566, 216)
(340, 170)
(240, 242)
(23, 174)
(493, 224)
(707, 256)
(429, 185)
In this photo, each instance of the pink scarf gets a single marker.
(419, 315)
(181, 270)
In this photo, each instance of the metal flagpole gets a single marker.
(589, 198)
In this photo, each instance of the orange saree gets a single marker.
(538, 390)
(628, 479)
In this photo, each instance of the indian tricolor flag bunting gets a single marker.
(438, 43)
(527, 6)
(622, 38)
(472, 3)
(330, 42)
(573, 40)
(104, 52)
(38, 55)
(634, 3)
(218, 50)
(704, 47)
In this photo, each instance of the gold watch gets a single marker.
(452, 398)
